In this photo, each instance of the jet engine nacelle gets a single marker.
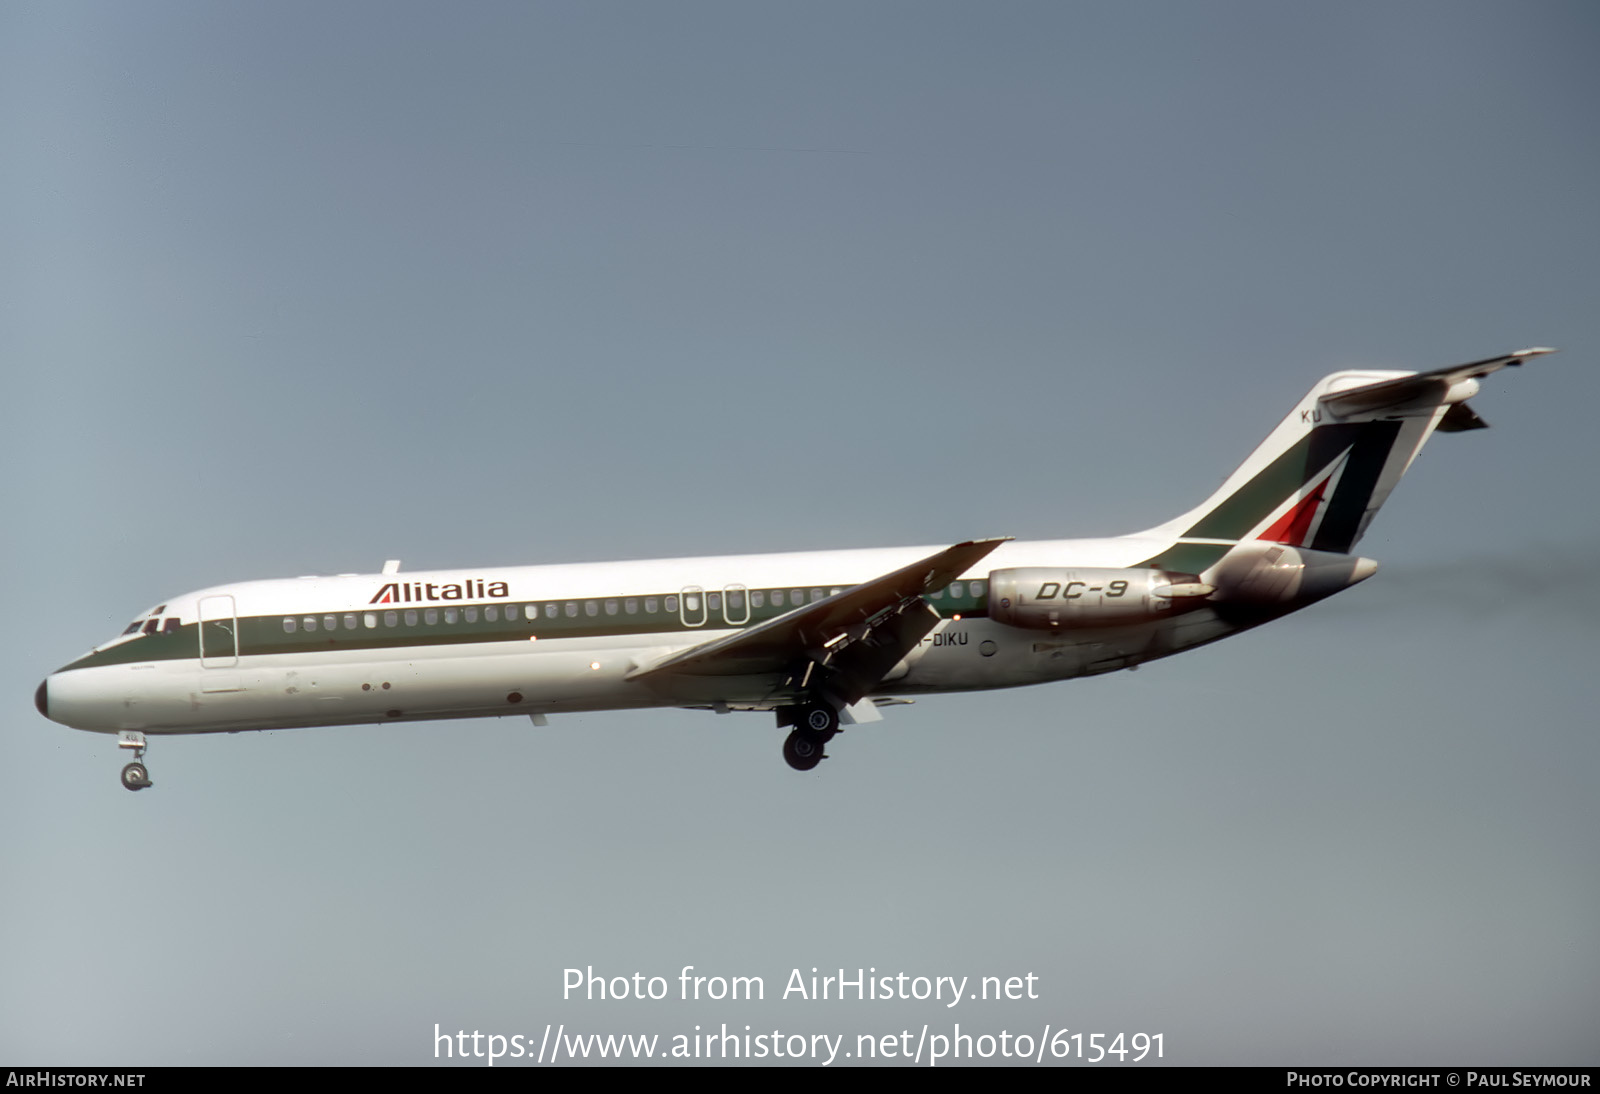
(1045, 598)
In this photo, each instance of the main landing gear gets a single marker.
(814, 726)
(134, 775)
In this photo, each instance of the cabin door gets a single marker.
(219, 633)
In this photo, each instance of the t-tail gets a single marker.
(1318, 479)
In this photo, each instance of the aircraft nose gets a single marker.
(41, 698)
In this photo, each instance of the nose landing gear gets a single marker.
(134, 776)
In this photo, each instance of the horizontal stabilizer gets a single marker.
(1420, 385)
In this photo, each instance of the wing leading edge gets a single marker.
(853, 637)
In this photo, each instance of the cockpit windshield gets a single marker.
(149, 621)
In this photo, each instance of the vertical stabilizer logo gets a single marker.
(411, 592)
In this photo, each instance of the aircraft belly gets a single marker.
(325, 688)
(524, 680)
(983, 654)
(684, 688)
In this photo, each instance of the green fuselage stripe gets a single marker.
(261, 635)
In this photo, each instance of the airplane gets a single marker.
(820, 639)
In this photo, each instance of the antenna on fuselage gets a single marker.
(391, 566)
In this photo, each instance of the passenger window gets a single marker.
(975, 588)
(309, 623)
(797, 597)
(816, 595)
(289, 625)
(451, 615)
(391, 618)
(491, 614)
(431, 616)
(330, 622)
(758, 599)
(936, 596)
(591, 607)
(530, 612)
(650, 605)
(472, 615)
(956, 590)
(572, 609)
(714, 601)
(370, 619)
(350, 622)
(411, 617)
(611, 607)
(551, 611)
(672, 604)
(631, 606)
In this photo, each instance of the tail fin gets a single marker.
(1320, 477)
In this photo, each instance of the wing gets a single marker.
(1405, 389)
(851, 638)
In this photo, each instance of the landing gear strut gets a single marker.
(134, 775)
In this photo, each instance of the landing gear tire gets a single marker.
(803, 749)
(821, 719)
(135, 777)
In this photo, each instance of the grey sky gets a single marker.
(296, 288)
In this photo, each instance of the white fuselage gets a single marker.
(321, 651)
